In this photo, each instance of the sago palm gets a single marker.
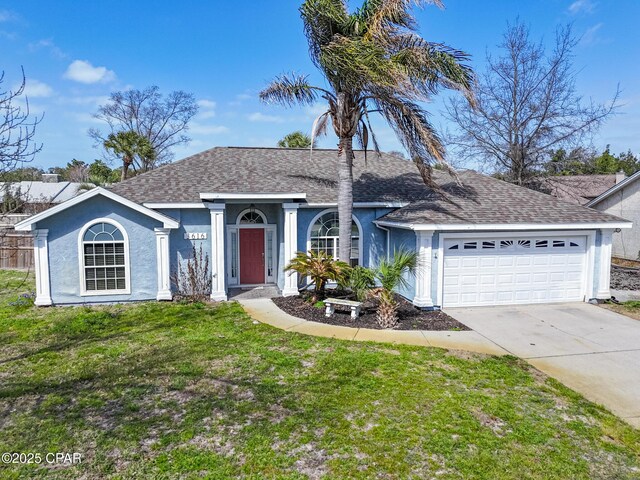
(320, 267)
(373, 61)
(391, 273)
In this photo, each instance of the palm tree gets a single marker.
(391, 273)
(296, 139)
(320, 267)
(374, 62)
(129, 145)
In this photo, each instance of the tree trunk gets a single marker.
(125, 168)
(345, 196)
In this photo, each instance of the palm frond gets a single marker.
(430, 66)
(318, 128)
(392, 272)
(383, 17)
(289, 90)
(322, 20)
(354, 63)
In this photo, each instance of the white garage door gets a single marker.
(511, 270)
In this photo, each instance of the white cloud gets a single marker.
(83, 117)
(200, 129)
(92, 100)
(7, 16)
(207, 104)
(579, 6)
(590, 37)
(35, 88)
(207, 109)
(261, 117)
(82, 71)
(47, 44)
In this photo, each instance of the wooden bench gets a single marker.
(330, 304)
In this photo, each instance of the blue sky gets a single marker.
(75, 53)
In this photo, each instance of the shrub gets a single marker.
(24, 300)
(192, 279)
(390, 274)
(321, 268)
(360, 280)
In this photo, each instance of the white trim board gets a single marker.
(357, 205)
(251, 196)
(175, 205)
(28, 224)
(503, 226)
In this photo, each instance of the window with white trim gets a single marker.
(325, 234)
(103, 258)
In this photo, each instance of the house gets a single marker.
(488, 242)
(36, 196)
(623, 199)
(579, 189)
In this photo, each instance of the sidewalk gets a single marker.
(265, 311)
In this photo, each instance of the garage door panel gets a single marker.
(515, 270)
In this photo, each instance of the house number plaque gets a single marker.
(195, 236)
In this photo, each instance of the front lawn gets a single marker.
(185, 391)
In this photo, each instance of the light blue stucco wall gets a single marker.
(64, 266)
(404, 239)
(192, 220)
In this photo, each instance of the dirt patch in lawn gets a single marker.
(411, 318)
(625, 278)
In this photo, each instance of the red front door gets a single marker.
(251, 255)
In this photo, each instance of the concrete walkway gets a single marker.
(265, 311)
(590, 349)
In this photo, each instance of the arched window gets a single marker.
(324, 237)
(251, 217)
(104, 258)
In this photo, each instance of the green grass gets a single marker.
(190, 391)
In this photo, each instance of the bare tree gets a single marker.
(17, 147)
(162, 120)
(17, 128)
(527, 106)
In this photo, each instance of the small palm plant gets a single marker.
(320, 267)
(391, 273)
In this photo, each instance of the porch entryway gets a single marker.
(252, 247)
(252, 270)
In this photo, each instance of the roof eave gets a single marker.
(614, 189)
(29, 224)
(416, 226)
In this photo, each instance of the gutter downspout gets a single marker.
(388, 235)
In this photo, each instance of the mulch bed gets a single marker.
(625, 278)
(411, 318)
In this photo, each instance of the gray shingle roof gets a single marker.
(480, 199)
(578, 189)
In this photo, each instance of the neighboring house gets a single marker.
(40, 195)
(623, 199)
(580, 189)
(489, 242)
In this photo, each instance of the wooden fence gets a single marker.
(16, 250)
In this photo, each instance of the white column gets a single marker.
(162, 258)
(41, 262)
(605, 265)
(290, 247)
(424, 241)
(218, 280)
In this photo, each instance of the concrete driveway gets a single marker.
(592, 350)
